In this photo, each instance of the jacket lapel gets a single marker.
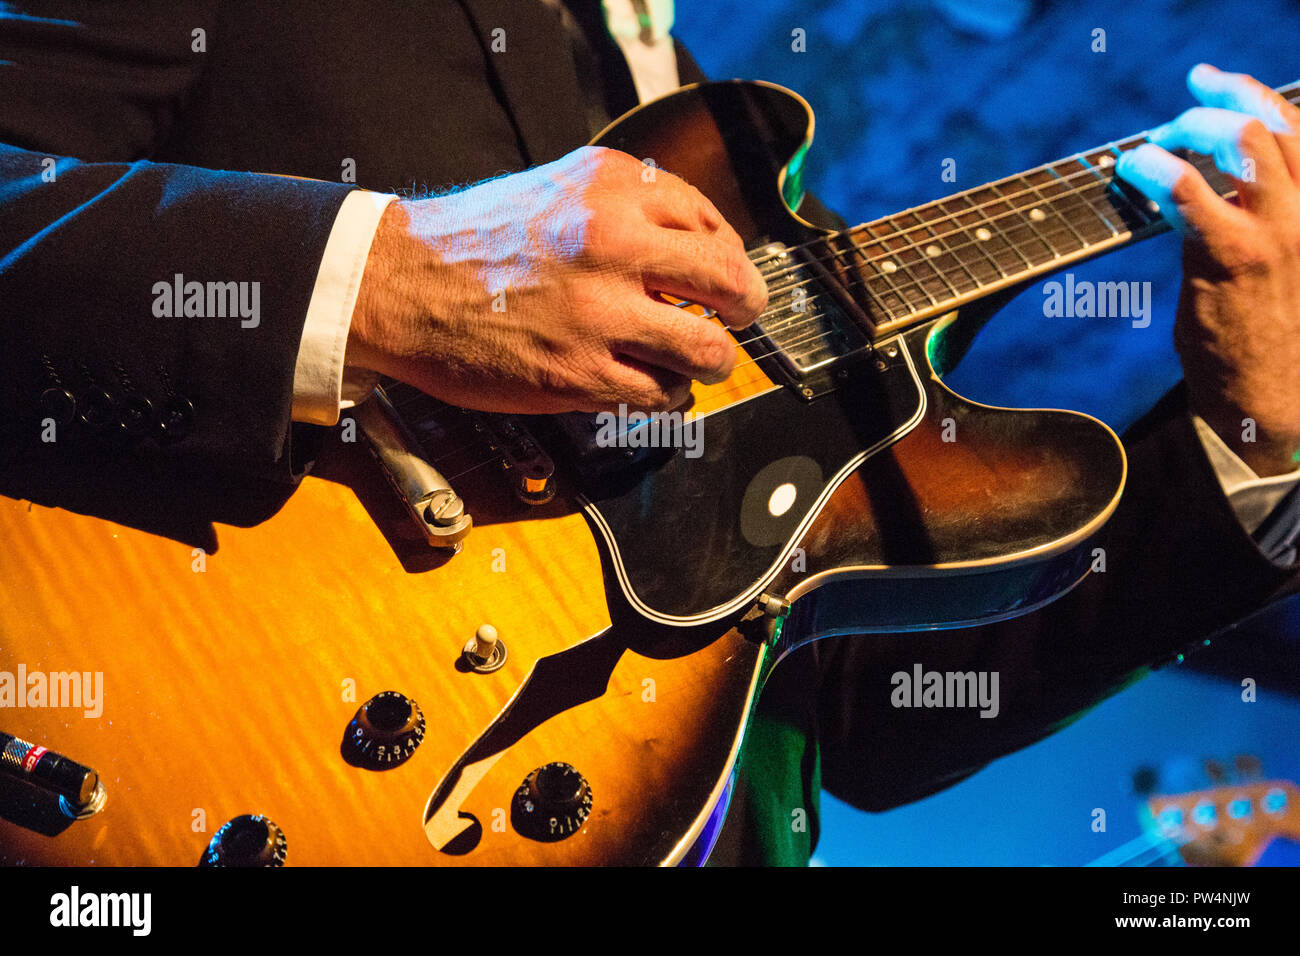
(535, 72)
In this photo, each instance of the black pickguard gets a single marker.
(691, 537)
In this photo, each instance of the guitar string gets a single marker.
(952, 277)
(1089, 169)
(1100, 189)
(1204, 165)
(962, 275)
(813, 318)
(1089, 172)
(1094, 184)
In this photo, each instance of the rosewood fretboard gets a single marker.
(930, 259)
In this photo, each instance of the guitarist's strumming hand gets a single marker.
(1238, 324)
(534, 292)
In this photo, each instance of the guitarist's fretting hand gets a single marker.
(1238, 325)
(532, 293)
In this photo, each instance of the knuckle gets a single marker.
(589, 157)
(746, 282)
(606, 164)
(1253, 136)
(728, 269)
(735, 274)
(1183, 190)
(708, 213)
(710, 348)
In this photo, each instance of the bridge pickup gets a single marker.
(809, 326)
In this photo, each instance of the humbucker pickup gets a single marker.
(807, 326)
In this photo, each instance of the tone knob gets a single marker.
(246, 841)
(385, 731)
(552, 803)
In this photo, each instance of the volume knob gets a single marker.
(385, 731)
(247, 841)
(552, 803)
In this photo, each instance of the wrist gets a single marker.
(1266, 451)
(384, 300)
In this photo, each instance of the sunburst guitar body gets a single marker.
(837, 487)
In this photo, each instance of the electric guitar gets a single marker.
(320, 687)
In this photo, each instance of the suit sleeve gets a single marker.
(148, 312)
(1179, 570)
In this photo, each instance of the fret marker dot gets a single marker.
(1153, 205)
(932, 251)
(889, 265)
(1106, 159)
(983, 235)
(1037, 214)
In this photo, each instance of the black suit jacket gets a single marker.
(120, 123)
(138, 109)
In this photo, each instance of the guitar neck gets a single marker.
(909, 267)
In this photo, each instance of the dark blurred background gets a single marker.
(1000, 86)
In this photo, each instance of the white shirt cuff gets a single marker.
(322, 386)
(1253, 498)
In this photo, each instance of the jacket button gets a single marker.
(58, 404)
(95, 408)
(136, 416)
(176, 421)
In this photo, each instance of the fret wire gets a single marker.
(1054, 210)
(999, 236)
(896, 255)
(978, 243)
(944, 251)
(1096, 186)
(879, 273)
(1079, 158)
(1085, 168)
(1145, 216)
(1116, 201)
(1097, 190)
(1006, 239)
(1024, 221)
(1093, 185)
(1291, 92)
(1075, 192)
(844, 278)
(923, 258)
(1073, 197)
